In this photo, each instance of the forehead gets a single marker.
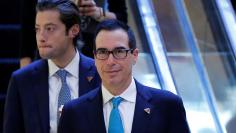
(48, 17)
(112, 39)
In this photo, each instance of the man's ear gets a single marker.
(74, 31)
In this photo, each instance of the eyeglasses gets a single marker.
(118, 53)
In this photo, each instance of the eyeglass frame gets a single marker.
(108, 52)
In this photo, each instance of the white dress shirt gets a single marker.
(126, 106)
(55, 85)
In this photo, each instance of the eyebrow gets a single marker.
(112, 49)
(49, 24)
(120, 48)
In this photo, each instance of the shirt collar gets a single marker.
(72, 67)
(129, 94)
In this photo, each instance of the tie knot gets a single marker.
(62, 74)
(116, 101)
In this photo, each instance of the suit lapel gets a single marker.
(95, 112)
(86, 74)
(42, 94)
(143, 110)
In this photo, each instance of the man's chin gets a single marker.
(45, 56)
(112, 81)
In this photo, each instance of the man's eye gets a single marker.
(119, 51)
(50, 29)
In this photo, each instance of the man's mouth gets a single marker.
(44, 46)
(112, 71)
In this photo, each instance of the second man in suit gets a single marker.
(37, 92)
(122, 104)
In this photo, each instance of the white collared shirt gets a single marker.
(55, 85)
(126, 107)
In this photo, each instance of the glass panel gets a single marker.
(185, 73)
(201, 61)
(156, 49)
(218, 59)
(190, 89)
(169, 25)
(228, 17)
(143, 70)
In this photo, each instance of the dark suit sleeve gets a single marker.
(13, 119)
(178, 118)
(119, 8)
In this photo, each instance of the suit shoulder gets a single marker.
(29, 68)
(82, 101)
(87, 62)
(164, 99)
(87, 59)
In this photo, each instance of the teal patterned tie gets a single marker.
(64, 94)
(115, 122)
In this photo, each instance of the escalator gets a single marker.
(188, 47)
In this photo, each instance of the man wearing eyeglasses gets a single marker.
(37, 92)
(122, 104)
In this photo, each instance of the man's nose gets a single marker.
(110, 58)
(41, 36)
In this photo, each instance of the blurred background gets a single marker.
(186, 46)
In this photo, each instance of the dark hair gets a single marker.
(69, 12)
(113, 24)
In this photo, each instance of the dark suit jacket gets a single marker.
(167, 113)
(27, 102)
